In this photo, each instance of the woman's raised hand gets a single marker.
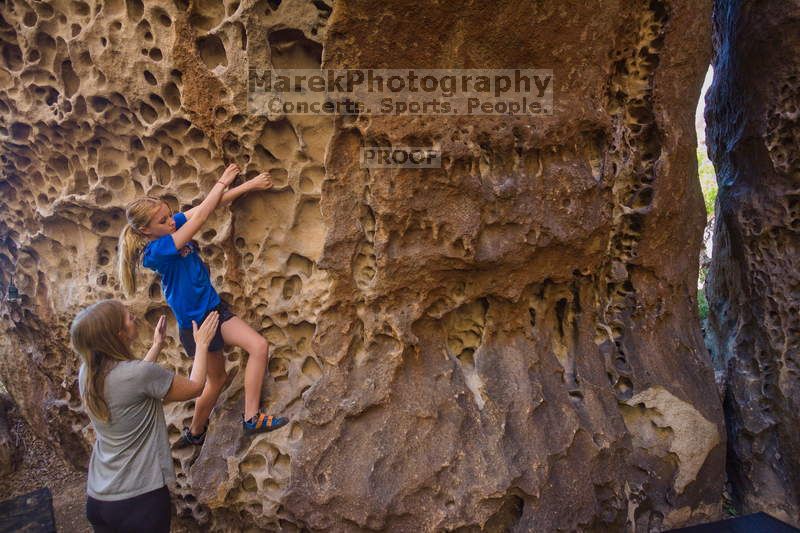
(160, 331)
(158, 340)
(229, 174)
(206, 331)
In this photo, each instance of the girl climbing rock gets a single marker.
(164, 242)
(131, 462)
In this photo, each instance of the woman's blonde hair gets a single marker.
(95, 338)
(132, 241)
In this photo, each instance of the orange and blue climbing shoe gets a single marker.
(261, 423)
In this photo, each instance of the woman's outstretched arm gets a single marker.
(185, 389)
(158, 340)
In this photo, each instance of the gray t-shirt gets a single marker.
(131, 454)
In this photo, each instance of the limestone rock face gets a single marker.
(509, 341)
(753, 285)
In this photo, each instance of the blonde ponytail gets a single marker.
(129, 249)
(95, 338)
(132, 241)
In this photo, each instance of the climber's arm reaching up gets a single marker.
(259, 183)
(200, 213)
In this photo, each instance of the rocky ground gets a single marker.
(40, 466)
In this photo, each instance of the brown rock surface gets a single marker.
(753, 286)
(464, 347)
(9, 447)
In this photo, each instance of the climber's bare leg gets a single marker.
(237, 332)
(211, 391)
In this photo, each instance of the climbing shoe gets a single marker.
(261, 423)
(187, 439)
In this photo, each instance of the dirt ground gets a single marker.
(40, 466)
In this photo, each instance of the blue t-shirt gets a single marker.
(185, 281)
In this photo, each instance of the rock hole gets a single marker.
(157, 101)
(80, 8)
(207, 14)
(279, 368)
(299, 264)
(467, 357)
(624, 388)
(324, 9)
(135, 9)
(148, 113)
(290, 48)
(291, 287)
(561, 311)
(20, 131)
(507, 518)
(162, 171)
(161, 16)
(282, 465)
(30, 19)
(155, 291)
(12, 56)
(149, 78)
(212, 51)
(254, 462)
(311, 368)
(116, 182)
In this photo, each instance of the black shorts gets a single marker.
(146, 513)
(217, 343)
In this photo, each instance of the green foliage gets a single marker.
(702, 304)
(708, 180)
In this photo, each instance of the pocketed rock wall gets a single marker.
(754, 282)
(507, 342)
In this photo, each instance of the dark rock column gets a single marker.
(9, 453)
(753, 115)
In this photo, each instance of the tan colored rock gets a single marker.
(456, 347)
(661, 422)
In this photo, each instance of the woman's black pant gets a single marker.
(149, 512)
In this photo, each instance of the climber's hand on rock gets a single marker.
(205, 333)
(160, 332)
(230, 174)
(261, 182)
